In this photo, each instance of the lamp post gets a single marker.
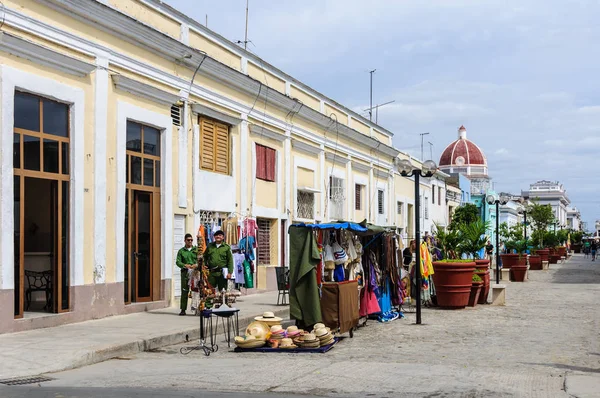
(406, 169)
(524, 212)
(491, 199)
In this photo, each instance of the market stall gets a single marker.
(327, 260)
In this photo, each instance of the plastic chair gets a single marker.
(283, 284)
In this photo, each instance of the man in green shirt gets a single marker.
(216, 257)
(187, 258)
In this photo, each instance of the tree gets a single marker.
(541, 216)
(466, 214)
(473, 237)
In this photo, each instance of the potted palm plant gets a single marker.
(476, 288)
(519, 270)
(472, 242)
(511, 236)
(452, 277)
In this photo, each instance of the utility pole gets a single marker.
(371, 96)
(246, 36)
(422, 135)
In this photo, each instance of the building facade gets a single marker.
(553, 193)
(133, 124)
(574, 219)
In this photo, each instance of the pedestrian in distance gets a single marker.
(187, 258)
(586, 249)
(594, 247)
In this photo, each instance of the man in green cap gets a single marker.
(216, 257)
(187, 258)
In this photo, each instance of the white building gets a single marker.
(509, 213)
(574, 219)
(552, 193)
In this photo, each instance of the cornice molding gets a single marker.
(361, 167)
(382, 173)
(126, 28)
(337, 158)
(214, 114)
(310, 149)
(43, 55)
(264, 132)
(144, 90)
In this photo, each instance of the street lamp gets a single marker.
(491, 199)
(524, 213)
(406, 169)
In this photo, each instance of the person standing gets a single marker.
(489, 251)
(187, 258)
(594, 247)
(216, 257)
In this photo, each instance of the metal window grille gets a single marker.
(380, 201)
(176, 115)
(306, 205)
(357, 197)
(399, 206)
(337, 198)
(263, 246)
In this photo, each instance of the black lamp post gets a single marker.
(524, 212)
(491, 199)
(406, 169)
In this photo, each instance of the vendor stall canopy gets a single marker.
(362, 229)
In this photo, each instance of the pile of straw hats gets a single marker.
(309, 340)
(325, 337)
(287, 343)
(293, 332)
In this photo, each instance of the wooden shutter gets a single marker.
(270, 164)
(221, 148)
(207, 144)
(357, 197)
(261, 162)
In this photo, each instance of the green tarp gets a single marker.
(305, 305)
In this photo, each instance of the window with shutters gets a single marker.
(380, 201)
(433, 195)
(306, 205)
(337, 198)
(265, 163)
(399, 206)
(263, 241)
(357, 197)
(215, 146)
(440, 196)
(426, 209)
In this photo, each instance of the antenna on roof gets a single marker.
(246, 36)
(371, 96)
(376, 107)
(206, 21)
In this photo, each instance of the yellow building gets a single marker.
(129, 125)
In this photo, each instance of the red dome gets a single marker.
(462, 152)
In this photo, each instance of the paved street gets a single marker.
(545, 340)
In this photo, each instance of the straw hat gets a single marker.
(292, 329)
(318, 326)
(321, 332)
(268, 317)
(259, 330)
(287, 343)
(327, 341)
(276, 329)
(248, 342)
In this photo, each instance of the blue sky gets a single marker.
(522, 76)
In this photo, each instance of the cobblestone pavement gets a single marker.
(547, 331)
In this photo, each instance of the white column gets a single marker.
(288, 184)
(244, 163)
(349, 191)
(100, 121)
(183, 154)
(370, 190)
(323, 174)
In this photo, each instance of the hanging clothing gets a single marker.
(230, 228)
(248, 275)
(249, 227)
(238, 265)
(247, 246)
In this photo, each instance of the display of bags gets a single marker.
(339, 254)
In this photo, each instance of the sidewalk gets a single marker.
(74, 345)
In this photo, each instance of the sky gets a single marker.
(520, 75)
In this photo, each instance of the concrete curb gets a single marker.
(151, 343)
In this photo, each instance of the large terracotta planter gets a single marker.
(485, 277)
(554, 258)
(518, 273)
(544, 254)
(576, 247)
(476, 288)
(452, 283)
(535, 262)
(508, 260)
(562, 250)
